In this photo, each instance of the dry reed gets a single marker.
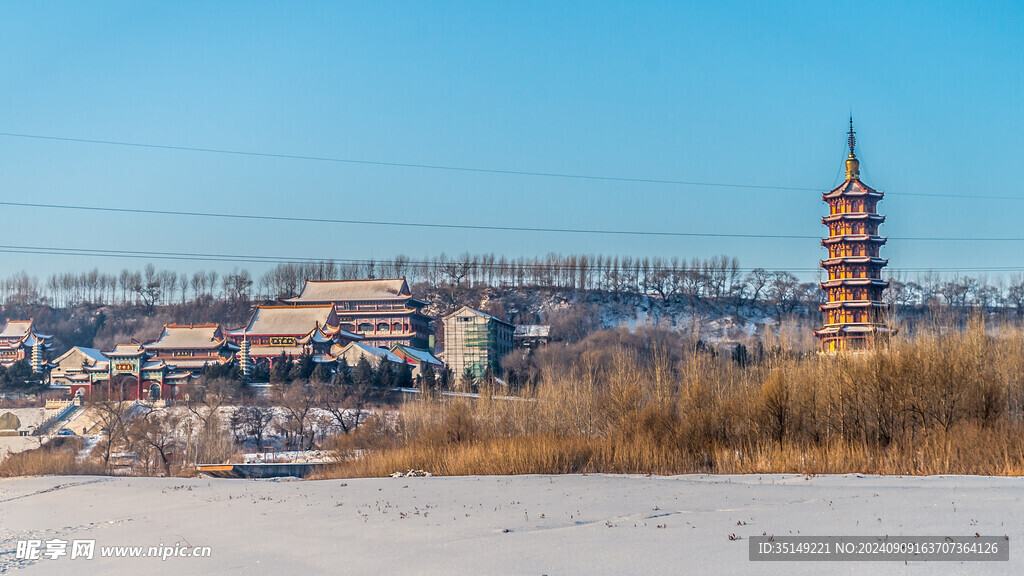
(938, 402)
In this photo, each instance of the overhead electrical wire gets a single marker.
(255, 259)
(490, 228)
(452, 168)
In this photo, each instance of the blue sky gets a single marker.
(743, 93)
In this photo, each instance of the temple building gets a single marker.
(72, 367)
(192, 346)
(417, 359)
(20, 341)
(854, 315)
(126, 373)
(292, 331)
(383, 312)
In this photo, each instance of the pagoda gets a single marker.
(855, 312)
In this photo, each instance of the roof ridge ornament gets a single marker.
(852, 164)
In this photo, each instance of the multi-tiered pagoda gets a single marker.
(855, 311)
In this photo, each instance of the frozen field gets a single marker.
(535, 525)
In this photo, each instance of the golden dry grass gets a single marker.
(57, 457)
(940, 402)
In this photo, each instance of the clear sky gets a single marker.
(723, 92)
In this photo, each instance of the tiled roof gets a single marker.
(852, 188)
(91, 353)
(417, 354)
(347, 290)
(195, 362)
(274, 351)
(20, 329)
(355, 350)
(288, 320)
(126, 350)
(189, 336)
(535, 330)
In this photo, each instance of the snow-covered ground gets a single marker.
(30, 418)
(596, 524)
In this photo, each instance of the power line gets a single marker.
(563, 175)
(511, 263)
(404, 164)
(312, 220)
(308, 220)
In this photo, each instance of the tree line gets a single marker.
(692, 282)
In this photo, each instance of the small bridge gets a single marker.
(261, 470)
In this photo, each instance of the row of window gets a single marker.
(854, 294)
(361, 306)
(381, 327)
(846, 206)
(838, 250)
(842, 272)
(843, 228)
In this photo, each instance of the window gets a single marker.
(366, 327)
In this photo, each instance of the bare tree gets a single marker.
(157, 430)
(344, 398)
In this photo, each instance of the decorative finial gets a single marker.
(852, 138)
(852, 164)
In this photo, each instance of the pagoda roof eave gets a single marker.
(854, 238)
(853, 282)
(853, 304)
(852, 187)
(853, 216)
(855, 260)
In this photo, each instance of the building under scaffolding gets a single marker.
(474, 342)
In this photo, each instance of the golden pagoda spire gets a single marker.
(852, 164)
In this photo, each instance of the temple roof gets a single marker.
(21, 330)
(346, 290)
(854, 260)
(298, 321)
(852, 188)
(193, 362)
(854, 238)
(417, 355)
(358, 349)
(853, 304)
(835, 329)
(852, 216)
(190, 336)
(853, 282)
(91, 353)
(126, 350)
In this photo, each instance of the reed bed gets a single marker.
(937, 402)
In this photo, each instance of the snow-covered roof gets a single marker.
(195, 362)
(347, 290)
(466, 309)
(534, 330)
(852, 187)
(275, 351)
(416, 354)
(126, 350)
(20, 329)
(354, 350)
(92, 353)
(189, 336)
(289, 321)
